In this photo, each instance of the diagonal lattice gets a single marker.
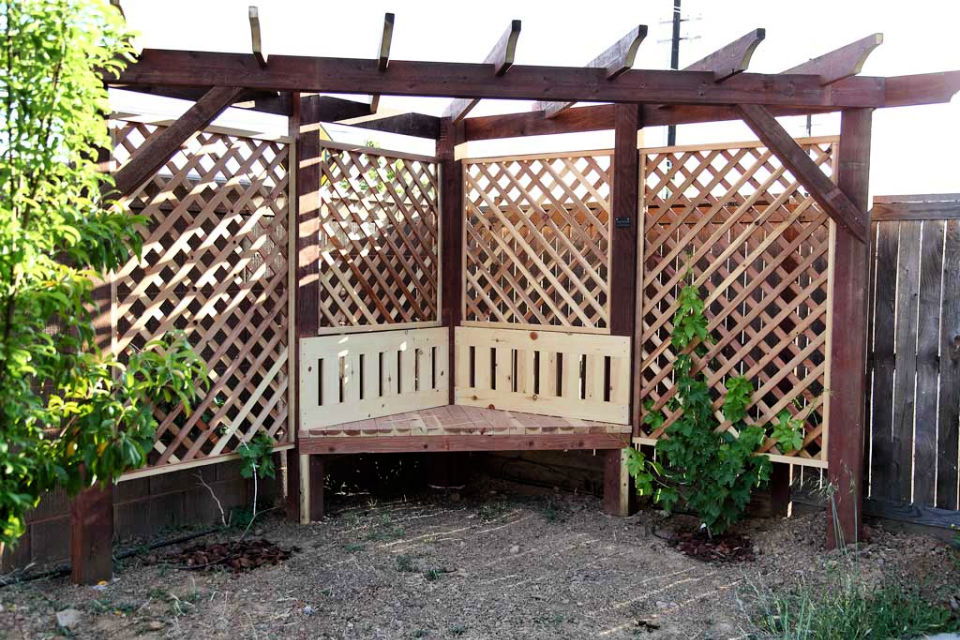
(214, 265)
(379, 239)
(737, 223)
(536, 233)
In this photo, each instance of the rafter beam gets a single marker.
(827, 194)
(924, 88)
(501, 57)
(459, 80)
(840, 63)
(731, 59)
(329, 109)
(160, 147)
(383, 55)
(256, 44)
(419, 125)
(615, 60)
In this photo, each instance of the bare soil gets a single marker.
(497, 564)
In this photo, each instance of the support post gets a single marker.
(91, 535)
(618, 496)
(848, 340)
(451, 233)
(780, 490)
(305, 131)
(618, 499)
(312, 481)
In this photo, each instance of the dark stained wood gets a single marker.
(383, 55)
(924, 88)
(330, 109)
(848, 345)
(451, 230)
(827, 193)
(402, 444)
(780, 490)
(730, 59)
(948, 435)
(624, 210)
(840, 63)
(157, 150)
(465, 80)
(420, 125)
(615, 60)
(904, 398)
(618, 494)
(883, 360)
(928, 363)
(945, 209)
(501, 56)
(255, 39)
(317, 507)
(91, 535)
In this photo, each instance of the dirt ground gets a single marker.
(498, 563)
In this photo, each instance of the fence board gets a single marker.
(915, 363)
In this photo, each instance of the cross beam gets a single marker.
(827, 194)
(501, 57)
(159, 148)
(524, 82)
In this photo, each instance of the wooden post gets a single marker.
(780, 489)
(305, 131)
(312, 481)
(91, 535)
(848, 340)
(617, 494)
(451, 234)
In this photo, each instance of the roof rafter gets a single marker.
(732, 58)
(501, 56)
(383, 55)
(840, 63)
(256, 43)
(615, 60)
(824, 190)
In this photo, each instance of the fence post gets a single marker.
(91, 535)
(848, 338)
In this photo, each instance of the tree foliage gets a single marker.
(70, 413)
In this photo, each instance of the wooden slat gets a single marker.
(882, 485)
(904, 396)
(383, 55)
(945, 208)
(948, 435)
(840, 63)
(928, 362)
(402, 444)
(828, 195)
(615, 60)
(501, 56)
(256, 44)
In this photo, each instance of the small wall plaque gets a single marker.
(622, 222)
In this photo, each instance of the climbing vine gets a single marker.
(711, 472)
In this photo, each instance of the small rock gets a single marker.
(309, 610)
(455, 497)
(665, 605)
(155, 625)
(515, 549)
(69, 619)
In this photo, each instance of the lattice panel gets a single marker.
(379, 239)
(214, 265)
(759, 248)
(536, 238)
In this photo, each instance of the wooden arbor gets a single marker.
(715, 88)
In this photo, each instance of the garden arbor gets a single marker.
(444, 303)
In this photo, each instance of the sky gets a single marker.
(914, 148)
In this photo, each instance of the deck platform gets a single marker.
(462, 428)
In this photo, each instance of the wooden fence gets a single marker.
(914, 366)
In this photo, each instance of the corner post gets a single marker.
(618, 499)
(848, 341)
(306, 288)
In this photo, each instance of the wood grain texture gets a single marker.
(406, 444)
(732, 58)
(840, 63)
(501, 57)
(91, 536)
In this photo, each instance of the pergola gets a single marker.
(718, 87)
